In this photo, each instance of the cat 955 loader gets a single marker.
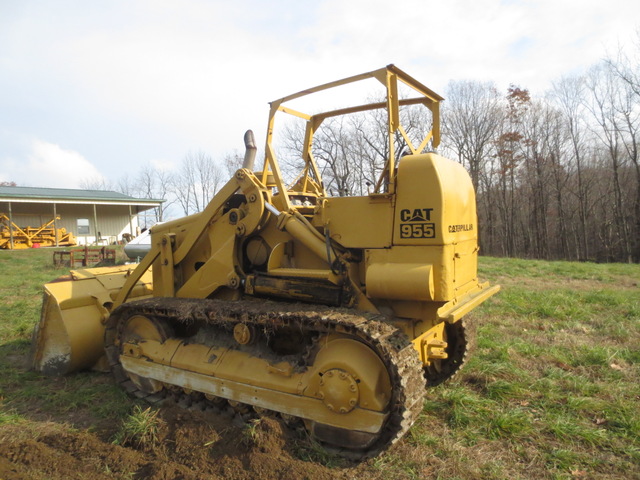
(336, 311)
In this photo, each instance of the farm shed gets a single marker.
(93, 216)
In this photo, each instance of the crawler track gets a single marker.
(394, 348)
(445, 370)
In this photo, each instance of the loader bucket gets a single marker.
(70, 333)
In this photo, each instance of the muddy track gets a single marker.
(391, 345)
(458, 351)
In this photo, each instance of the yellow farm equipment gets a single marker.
(46, 235)
(336, 312)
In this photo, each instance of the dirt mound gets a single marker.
(189, 445)
(54, 452)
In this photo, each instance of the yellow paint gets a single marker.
(407, 251)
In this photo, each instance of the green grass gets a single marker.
(553, 386)
(23, 274)
(90, 398)
(139, 429)
(551, 389)
(555, 373)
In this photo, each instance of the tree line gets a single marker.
(558, 176)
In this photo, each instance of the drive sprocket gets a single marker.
(440, 371)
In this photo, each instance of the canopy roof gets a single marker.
(67, 195)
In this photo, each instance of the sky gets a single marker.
(100, 89)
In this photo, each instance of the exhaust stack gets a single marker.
(250, 150)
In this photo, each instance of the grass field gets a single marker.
(551, 390)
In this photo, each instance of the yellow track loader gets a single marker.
(335, 311)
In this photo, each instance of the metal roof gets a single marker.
(67, 195)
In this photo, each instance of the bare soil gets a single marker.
(191, 445)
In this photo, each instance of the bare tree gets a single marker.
(196, 182)
(126, 186)
(568, 94)
(604, 103)
(155, 183)
(509, 156)
(627, 68)
(97, 183)
(333, 152)
(352, 151)
(471, 117)
(233, 162)
(535, 181)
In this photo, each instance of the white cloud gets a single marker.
(519, 41)
(48, 165)
(129, 82)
